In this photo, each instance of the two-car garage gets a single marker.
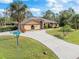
(30, 25)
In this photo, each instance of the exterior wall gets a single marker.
(41, 24)
(55, 25)
(27, 27)
(37, 27)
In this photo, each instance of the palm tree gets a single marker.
(75, 21)
(17, 10)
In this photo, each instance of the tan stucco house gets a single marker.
(36, 24)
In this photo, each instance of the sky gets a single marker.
(37, 7)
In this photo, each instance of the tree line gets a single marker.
(65, 17)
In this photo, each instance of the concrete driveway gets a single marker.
(62, 49)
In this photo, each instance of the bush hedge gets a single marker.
(8, 28)
(46, 26)
(66, 28)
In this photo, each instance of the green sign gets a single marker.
(17, 34)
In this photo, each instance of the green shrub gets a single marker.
(46, 26)
(8, 28)
(66, 28)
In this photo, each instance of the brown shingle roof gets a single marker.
(38, 19)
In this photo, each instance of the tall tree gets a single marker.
(57, 17)
(65, 16)
(18, 10)
(49, 15)
(75, 21)
(2, 21)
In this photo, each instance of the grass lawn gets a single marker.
(27, 49)
(72, 37)
(55, 32)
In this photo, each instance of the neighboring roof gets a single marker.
(37, 19)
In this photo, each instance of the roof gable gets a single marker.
(32, 22)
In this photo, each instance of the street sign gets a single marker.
(17, 34)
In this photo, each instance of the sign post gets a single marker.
(17, 34)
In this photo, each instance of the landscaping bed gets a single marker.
(72, 37)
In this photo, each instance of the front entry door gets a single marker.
(32, 27)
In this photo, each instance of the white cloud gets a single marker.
(36, 11)
(58, 5)
(76, 8)
(57, 8)
(51, 2)
(1, 10)
(55, 5)
(65, 1)
(6, 1)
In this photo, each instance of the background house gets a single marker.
(36, 24)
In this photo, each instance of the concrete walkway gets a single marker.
(61, 48)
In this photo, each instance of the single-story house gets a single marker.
(36, 24)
